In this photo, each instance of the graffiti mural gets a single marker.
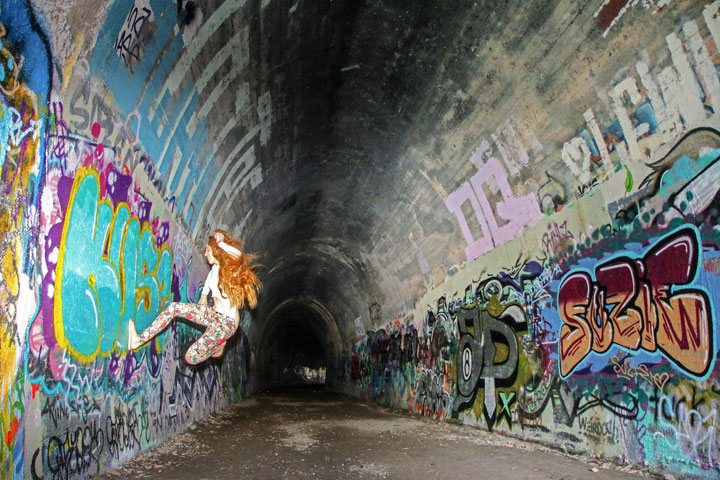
(22, 124)
(640, 303)
(607, 341)
(480, 335)
(514, 212)
(87, 244)
(93, 302)
(582, 247)
(24, 88)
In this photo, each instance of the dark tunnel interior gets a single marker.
(297, 345)
(293, 355)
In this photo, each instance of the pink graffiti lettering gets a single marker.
(518, 212)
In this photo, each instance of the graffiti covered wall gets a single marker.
(88, 243)
(585, 314)
(580, 306)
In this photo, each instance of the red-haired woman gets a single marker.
(232, 284)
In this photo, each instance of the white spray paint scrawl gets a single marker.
(359, 329)
(126, 43)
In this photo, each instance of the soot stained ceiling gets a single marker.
(375, 108)
(353, 84)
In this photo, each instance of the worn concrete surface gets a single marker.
(308, 433)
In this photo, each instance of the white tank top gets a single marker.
(222, 303)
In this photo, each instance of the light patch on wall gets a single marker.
(437, 186)
(26, 309)
(58, 11)
(191, 21)
(359, 328)
(242, 97)
(265, 113)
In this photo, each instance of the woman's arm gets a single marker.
(229, 249)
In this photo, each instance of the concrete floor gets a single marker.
(311, 434)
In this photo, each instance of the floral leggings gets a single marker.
(219, 328)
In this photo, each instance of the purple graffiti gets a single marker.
(118, 186)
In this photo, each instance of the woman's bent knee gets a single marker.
(191, 359)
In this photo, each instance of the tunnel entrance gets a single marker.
(298, 355)
(298, 345)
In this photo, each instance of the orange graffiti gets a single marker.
(626, 371)
(635, 303)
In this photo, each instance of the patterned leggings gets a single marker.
(219, 328)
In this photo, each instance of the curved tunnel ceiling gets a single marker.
(329, 132)
(347, 80)
(350, 86)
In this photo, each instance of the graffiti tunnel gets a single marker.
(502, 215)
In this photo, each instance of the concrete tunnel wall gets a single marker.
(499, 214)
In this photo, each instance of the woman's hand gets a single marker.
(219, 237)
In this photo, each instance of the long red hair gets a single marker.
(237, 280)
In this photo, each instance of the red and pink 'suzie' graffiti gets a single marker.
(640, 303)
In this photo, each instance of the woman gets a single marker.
(231, 283)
